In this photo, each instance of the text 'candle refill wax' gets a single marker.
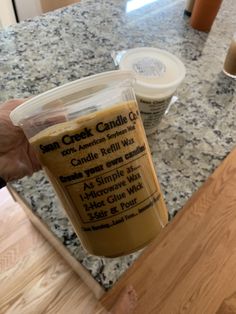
(90, 140)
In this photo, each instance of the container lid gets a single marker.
(69, 93)
(156, 71)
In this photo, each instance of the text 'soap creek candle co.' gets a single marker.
(90, 139)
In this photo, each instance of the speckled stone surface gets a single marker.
(195, 136)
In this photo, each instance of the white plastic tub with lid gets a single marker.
(158, 74)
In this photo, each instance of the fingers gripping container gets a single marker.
(90, 140)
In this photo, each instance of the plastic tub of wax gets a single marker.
(89, 138)
(158, 74)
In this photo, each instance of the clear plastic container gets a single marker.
(230, 60)
(90, 140)
(204, 13)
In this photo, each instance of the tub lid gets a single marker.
(156, 70)
(76, 90)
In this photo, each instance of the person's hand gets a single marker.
(17, 158)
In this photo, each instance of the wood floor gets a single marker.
(55, 4)
(191, 267)
(33, 277)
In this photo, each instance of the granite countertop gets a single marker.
(199, 130)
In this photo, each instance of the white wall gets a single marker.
(7, 15)
(28, 8)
